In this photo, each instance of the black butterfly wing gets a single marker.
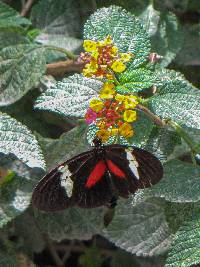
(92, 184)
(52, 193)
(141, 168)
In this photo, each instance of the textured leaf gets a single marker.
(185, 249)
(61, 24)
(71, 96)
(16, 139)
(168, 39)
(68, 145)
(11, 36)
(135, 80)
(181, 182)
(73, 223)
(21, 67)
(140, 229)
(16, 194)
(190, 52)
(150, 19)
(127, 33)
(60, 40)
(178, 100)
(162, 143)
(10, 17)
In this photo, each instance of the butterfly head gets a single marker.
(97, 142)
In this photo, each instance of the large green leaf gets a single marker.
(68, 145)
(181, 182)
(21, 67)
(10, 17)
(190, 52)
(73, 223)
(135, 80)
(162, 143)
(15, 194)
(71, 96)
(140, 229)
(185, 249)
(177, 99)
(16, 139)
(127, 33)
(61, 24)
(11, 36)
(164, 29)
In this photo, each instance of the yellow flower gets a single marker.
(103, 135)
(118, 66)
(96, 105)
(107, 40)
(130, 115)
(114, 131)
(90, 68)
(125, 57)
(130, 101)
(126, 130)
(107, 91)
(119, 97)
(114, 50)
(89, 45)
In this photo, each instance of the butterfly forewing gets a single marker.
(53, 192)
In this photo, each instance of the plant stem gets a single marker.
(26, 8)
(50, 246)
(185, 136)
(68, 53)
(158, 121)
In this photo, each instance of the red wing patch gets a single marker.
(96, 174)
(115, 170)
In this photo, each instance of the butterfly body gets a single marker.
(96, 177)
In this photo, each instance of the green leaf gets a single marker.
(60, 40)
(178, 100)
(127, 33)
(61, 24)
(140, 229)
(141, 133)
(190, 51)
(165, 32)
(120, 257)
(181, 182)
(185, 249)
(68, 145)
(71, 96)
(162, 143)
(150, 19)
(73, 223)
(16, 139)
(10, 17)
(21, 67)
(11, 36)
(135, 80)
(16, 194)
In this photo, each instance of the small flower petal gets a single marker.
(130, 115)
(108, 91)
(103, 135)
(125, 57)
(96, 105)
(89, 45)
(130, 101)
(118, 66)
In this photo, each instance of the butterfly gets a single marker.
(96, 177)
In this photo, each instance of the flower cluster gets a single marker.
(102, 58)
(112, 113)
